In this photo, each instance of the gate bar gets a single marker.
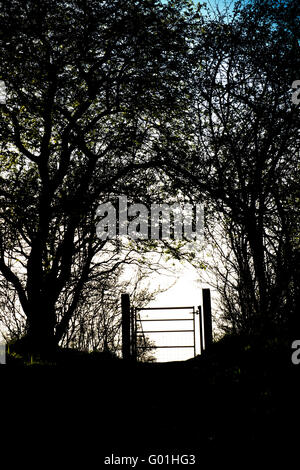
(159, 347)
(166, 319)
(164, 308)
(165, 331)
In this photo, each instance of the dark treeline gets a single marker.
(158, 102)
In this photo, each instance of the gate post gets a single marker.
(200, 329)
(207, 320)
(125, 304)
(133, 333)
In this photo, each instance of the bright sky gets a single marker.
(186, 292)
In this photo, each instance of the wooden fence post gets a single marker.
(125, 304)
(207, 320)
(133, 334)
(200, 329)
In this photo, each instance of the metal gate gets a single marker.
(134, 326)
(142, 325)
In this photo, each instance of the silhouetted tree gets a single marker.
(86, 81)
(238, 150)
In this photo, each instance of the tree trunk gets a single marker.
(40, 336)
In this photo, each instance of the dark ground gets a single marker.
(238, 404)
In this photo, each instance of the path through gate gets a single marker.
(170, 328)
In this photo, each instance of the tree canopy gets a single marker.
(86, 81)
(151, 100)
(243, 159)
